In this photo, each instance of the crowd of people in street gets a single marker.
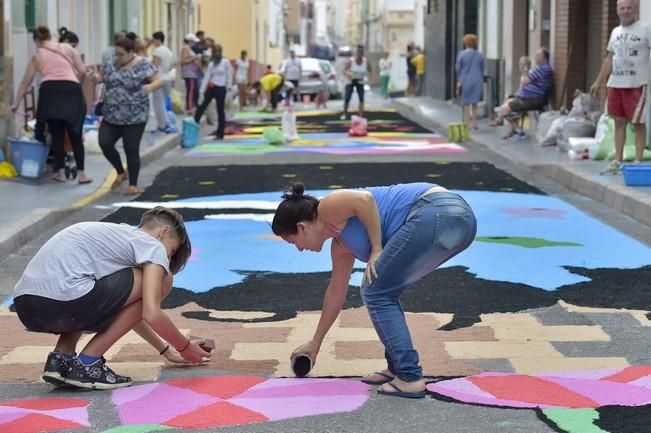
(135, 78)
(137, 74)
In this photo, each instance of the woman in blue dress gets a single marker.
(470, 79)
(403, 232)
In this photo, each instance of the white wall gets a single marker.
(79, 16)
(419, 22)
(399, 5)
(490, 35)
(321, 19)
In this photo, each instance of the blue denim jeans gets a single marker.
(438, 227)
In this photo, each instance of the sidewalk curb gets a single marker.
(39, 220)
(621, 198)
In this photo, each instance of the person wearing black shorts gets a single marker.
(107, 279)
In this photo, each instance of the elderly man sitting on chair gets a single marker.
(533, 95)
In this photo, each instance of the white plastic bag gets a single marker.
(91, 141)
(583, 147)
(232, 102)
(554, 130)
(574, 127)
(545, 123)
(288, 124)
(583, 105)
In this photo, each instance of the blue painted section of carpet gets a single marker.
(224, 249)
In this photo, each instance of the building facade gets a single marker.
(575, 31)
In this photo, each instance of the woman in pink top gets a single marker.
(61, 102)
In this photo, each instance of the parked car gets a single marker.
(332, 81)
(313, 77)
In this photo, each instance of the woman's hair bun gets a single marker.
(63, 31)
(296, 191)
(42, 33)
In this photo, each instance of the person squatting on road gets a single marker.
(403, 232)
(273, 85)
(109, 279)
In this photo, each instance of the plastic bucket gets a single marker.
(191, 130)
(29, 157)
(637, 174)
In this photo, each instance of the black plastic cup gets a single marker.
(301, 365)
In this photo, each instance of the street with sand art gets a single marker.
(540, 326)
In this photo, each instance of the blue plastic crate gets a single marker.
(28, 157)
(191, 131)
(637, 174)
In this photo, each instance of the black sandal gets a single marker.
(386, 379)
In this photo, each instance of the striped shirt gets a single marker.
(541, 80)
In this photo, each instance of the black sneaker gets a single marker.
(56, 368)
(94, 376)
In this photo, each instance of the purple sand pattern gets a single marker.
(169, 402)
(593, 385)
(294, 407)
(8, 417)
(306, 389)
(274, 399)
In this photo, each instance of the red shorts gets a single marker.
(629, 103)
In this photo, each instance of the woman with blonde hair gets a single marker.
(61, 102)
(470, 79)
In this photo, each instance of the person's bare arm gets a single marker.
(80, 68)
(153, 315)
(340, 205)
(28, 77)
(333, 300)
(347, 67)
(186, 57)
(155, 84)
(149, 335)
(343, 204)
(606, 69)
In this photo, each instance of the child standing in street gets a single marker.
(108, 279)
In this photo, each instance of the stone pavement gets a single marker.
(579, 176)
(561, 335)
(31, 207)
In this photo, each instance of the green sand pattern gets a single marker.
(525, 242)
(574, 420)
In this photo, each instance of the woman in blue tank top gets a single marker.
(403, 232)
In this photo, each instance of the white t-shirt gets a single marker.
(165, 56)
(242, 73)
(630, 47)
(70, 262)
(385, 67)
(220, 74)
(292, 69)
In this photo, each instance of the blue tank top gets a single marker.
(393, 203)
